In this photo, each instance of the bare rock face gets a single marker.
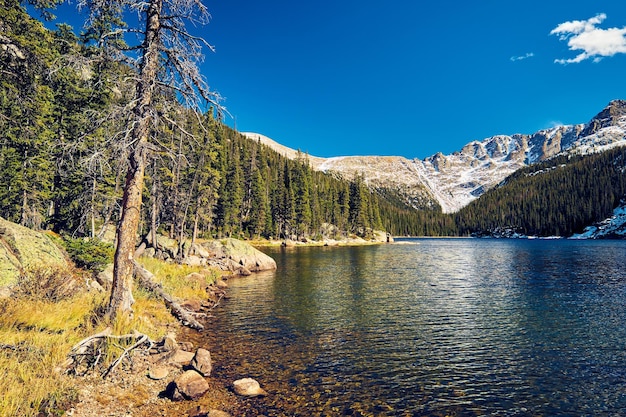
(238, 256)
(188, 386)
(453, 181)
(23, 248)
(232, 255)
(248, 387)
(201, 362)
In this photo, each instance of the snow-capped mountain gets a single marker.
(453, 181)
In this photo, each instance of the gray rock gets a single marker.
(5, 292)
(194, 260)
(23, 248)
(169, 344)
(241, 254)
(105, 277)
(189, 386)
(201, 362)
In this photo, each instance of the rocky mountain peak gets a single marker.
(609, 116)
(453, 181)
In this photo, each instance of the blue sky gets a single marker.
(412, 78)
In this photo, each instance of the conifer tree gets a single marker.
(167, 62)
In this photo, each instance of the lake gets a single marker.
(431, 327)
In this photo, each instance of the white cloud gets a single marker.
(522, 57)
(595, 43)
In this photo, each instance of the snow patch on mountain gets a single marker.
(611, 228)
(455, 180)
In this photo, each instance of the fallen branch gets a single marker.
(8, 347)
(146, 281)
(91, 348)
(142, 339)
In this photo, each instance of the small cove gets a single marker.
(439, 327)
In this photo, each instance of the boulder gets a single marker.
(169, 344)
(188, 386)
(5, 292)
(182, 357)
(192, 305)
(105, 277)
(241, 254)
(194, 260)
(248, 387)
(233, 255)
(22, 248)
(380, 236)
(201, 362)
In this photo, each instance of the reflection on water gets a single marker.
(446, 327)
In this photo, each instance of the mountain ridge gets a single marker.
(453, 181)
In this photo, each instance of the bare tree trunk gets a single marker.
(176, 188)
(121, 300)
(154, 214)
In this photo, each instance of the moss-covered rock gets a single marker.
(22, 248)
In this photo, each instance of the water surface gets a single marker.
(439, 327)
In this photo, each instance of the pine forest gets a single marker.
(64, 148)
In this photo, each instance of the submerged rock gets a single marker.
(201, 362)
(248, 387)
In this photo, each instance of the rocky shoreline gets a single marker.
(173, 376)
(186, 391)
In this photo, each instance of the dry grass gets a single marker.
(37, 335)
(172, 277)
(38, 330)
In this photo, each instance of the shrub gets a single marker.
(47, 283)
(91, 254)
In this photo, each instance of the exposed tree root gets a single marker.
(86, 354)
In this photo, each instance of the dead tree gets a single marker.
(166, 66)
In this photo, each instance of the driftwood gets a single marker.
(146, 280)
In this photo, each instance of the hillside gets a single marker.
(64, 117)
(453, 181)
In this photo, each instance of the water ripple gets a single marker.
(461, 327)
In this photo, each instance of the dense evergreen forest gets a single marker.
(62, 161)
(557, 197)
(63, 157)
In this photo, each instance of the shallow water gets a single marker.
(441, 327)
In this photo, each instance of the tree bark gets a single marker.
(121, 300)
